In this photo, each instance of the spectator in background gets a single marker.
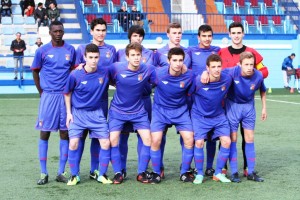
(53, 13)
(136, 17)
(36, 45)
(28, 7)
(48, 2)
(22, 6)
(6, 8)
(123, 18)
(287, 64)
(18, 46)
(40, 15)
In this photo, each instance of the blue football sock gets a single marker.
(94, 150)
(233, 158)
(73, 162)
(251, 156)
(144, 159)
(187, 157)
(116, 159)
(210, 152)
(43, 150)
(156, 160)
(181, 143)
(80, 149)
(162, 148)
(123, 147)
(63, 157)
(222, 159)
(104, 161)
(199, 158)
(139, 145)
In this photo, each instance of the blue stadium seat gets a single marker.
(6, 20)
(10, 63)
(20, 29)
(30, 21)
(7, 30)
(16, 10)
(18, 20)
(32, 41)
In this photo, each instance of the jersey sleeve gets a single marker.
(37, 61)
(263, 87)
(153, 75)
(70, 85)
(79, 56)
(112, 74)
(73, 52)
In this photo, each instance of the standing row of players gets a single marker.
(51, 69)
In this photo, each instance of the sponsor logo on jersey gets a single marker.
(182, 84)
(67, 56)
(205, 89)
(197, 53)
(223, 88)
(123, 75)
(107, 55)
(165, 82)
(50, 56)
(140, 77)
(237, 82)
(252, 87)
(84, 82)
(101, 80)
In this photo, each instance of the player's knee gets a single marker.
(199, 143)
(114, 140)
(73, 145)
(188, 142)
(64, 134)
(44, 135)
(225, 142)
(147, 140)
(105, 144)
(155, 143)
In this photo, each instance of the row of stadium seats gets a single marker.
(105, 2)
(18, 20)
(251, 7)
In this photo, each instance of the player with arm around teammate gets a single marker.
(83, 92)
(208, 114)
(240, 108)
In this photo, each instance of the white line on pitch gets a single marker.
(279, 101)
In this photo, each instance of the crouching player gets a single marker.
(208, 114)
(84, 90)
(240, 109)
(170, 108)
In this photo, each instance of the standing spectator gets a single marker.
(22, 6)
(28, 7)
(5, 8)
(18, 46)
(53, 13)
(287, 65)
(48, 2)
(123, 18)
(36, 45)
(136, 17)
(40, 15)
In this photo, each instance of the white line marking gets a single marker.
(279, 101)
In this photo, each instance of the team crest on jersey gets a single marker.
(67, 56)
(140, 77)
(252, 87)
(181, 84)
(223, 88)
(107, 55)
(40, 123)
(144, 60)
(101, 80)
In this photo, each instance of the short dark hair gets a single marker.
(235, 25)
(175, 51)
(293, 54)
(40, 4)
(56, 23)
(213, 58)
(91, 48)
(173, 25)
(205, 28)
(134, 46)
(136, 29)
(97, 21)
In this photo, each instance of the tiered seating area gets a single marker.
(106, 9)
(258, 16)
